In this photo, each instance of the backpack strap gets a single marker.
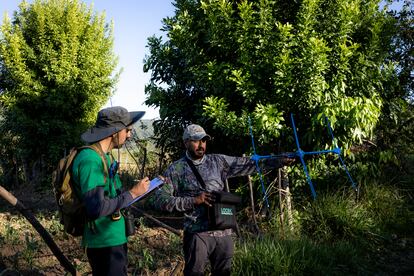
(97, 148)
(68, 165)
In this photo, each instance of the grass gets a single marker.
(333, 235)
(268, 256)
(381, 211)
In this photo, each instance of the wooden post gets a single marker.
(249, 181)
(288, 196)
(281, 202)
(256, 227)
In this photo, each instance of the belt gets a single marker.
(218, 233)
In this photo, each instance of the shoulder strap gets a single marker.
(196, 173)
(97, 148)
(68, 165)
(69, 160)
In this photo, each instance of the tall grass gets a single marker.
(380, 211)
(390, 209)
(269, 256)
(333, 235)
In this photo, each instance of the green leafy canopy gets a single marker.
(56, 66)
(227, 60)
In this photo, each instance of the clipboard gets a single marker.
(155, 183)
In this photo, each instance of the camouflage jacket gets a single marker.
(182, 186)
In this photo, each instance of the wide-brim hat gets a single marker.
(109, 121)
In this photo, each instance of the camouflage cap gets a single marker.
(195, 132)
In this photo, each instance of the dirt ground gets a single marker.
(153, 250)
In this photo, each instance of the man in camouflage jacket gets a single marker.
(184, 193)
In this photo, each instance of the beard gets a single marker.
(197, 153)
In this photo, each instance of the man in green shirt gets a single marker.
(104, 235)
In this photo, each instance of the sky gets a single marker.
(134, 21)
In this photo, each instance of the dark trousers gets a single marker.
(108, 261)
(199, 248)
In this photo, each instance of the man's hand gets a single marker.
(205, 198)
(140, 188)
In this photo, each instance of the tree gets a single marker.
(402, 51)
(56, 67)
(395, 133)
(227, 60)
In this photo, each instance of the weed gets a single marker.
(55, 226)
(11, 235)
(32, 247)
(145, 260)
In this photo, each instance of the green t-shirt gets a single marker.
(88, 173)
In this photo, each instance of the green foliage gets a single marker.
(269, 256)
(388, 207)
(55, 226)
(380, 211)
(402, 50)
(11, 235)
(145, 260)
(395, 131)
(56, 67)
(332, 218)
(227, 60)
(32, 246)
(334, 234)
